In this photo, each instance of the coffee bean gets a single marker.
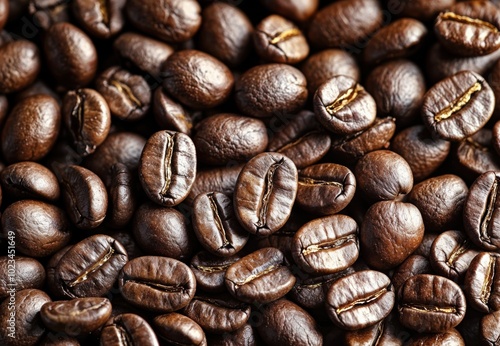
(413, 265)
(388, 331)
(128, 329)
(122, 199)
(245, 336)
(482, 283)
(209, 271)
(160, 284)
(19, 65)
(489, 328)
(450, 337)
(47, 13)
(179, 329)
(59, 339)
(169, 114)
(50, 268)
(424, 249)
(28, 273)
(296, 10)
(421, 9)
(101, 19)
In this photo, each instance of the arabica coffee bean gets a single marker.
(450, 337)
(156, 283)
(259, 277)
(360, 300)
(28, 273)
(413, 265)
(167, 168)
(482, 282)
(387, 331)
(489, 328)
(457, 107)
(19, 65)
(421, 9)
(265, 193)
(122, 199)
(128, 328)
(221, 179)
(169, 114)
(77, 316)
(209, 271)
(179, 329)
(101, 19)
(246, 335)
(296, 10)
(430, 304)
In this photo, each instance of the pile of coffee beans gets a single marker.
(239, 173)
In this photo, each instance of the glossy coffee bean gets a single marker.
(58, 339)
(90, 268)
(271, 89)
(127, 95)
(265, 193)
(209, 271)
(128, 329)
(424, 249)
(40, 229)
(22, 143)
(360, 300)
(259, 277)
(100, 19)
(482, 282)
(19, 65)
(343, 106)
(388, 331)
(197, 79)
(179, 329)
(122, 199)
(71, 55)
(390, 225)
(430, 304)
(216, 226)
(246, 335)
(458, 107)
(421, 9)
(296, 10)
(77, 316)
(87, 118)
(450, 337)
(413, 265)
(489, 328)
(167, 168)
(28, 273)
(50, 268)
(48, 12)
(169, 114)
(326, 245)
(157, 283)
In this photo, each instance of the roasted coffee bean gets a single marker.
(19, 65)
(84, 194)
(163, 232)
(489, 328)
(430, 304)
(493, 78)
(398, 88)
(413, 265)
(422, 152)
(296, 10)
(328, 63)
(265, 193)
(38, 87)
(450, 337)
(218, 314)
(50, 268)
(48, 12)
(179, 329)
(440, 201)
(70, 54)
(385, 332)
(424, 249)
(197, 79)
(29, 180)
(273, 89)
(383, 175)
(285, 323)
(101, 19)
(127, 240)
(481, 212)
(171, 21)
(58, 339)
(279, 40)
(4, 12)
(87, 118)
(451, 254)
(326, 245)
(360, 300)
(216, 226)
(31, 143)
(91, 267)
(122, 199)
(245, 336)
(27, 272)
(40, 229)
(343, 106)
(156, 283)
(458, 107)
(224, 138)
(302, 140)
(128, 329)
(259, 277)
(168, 167)
(469, 28)
(482, 282)
(209, 271)
(76, 317)
(328, 26)
(170, 115)
(420, 9)
(26, 326)
(225, 33)
(390, 232)
(325, 188)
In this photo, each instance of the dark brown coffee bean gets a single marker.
(19, 65)
(169, 114)
(31, 143)
(245, 336)
(173, 21)
(260, 277)
(209, 271)
(265, 193)
(272, 89)
(326, 245)
(58, 339)
(50, 268)
(101, 19)
(360, 300)
(489, 328)
(91, 267)
(179, 329)
(482, 282)
(48, 12)
(128, 329)
(71, 55)
(76, 317)
(4, 12)
(216, 226)
(87, 118)
(325, 188)
(470, 28)
(40, 229)
(424, 249)
(156, 283)
(122, 199)
(458, 106)
(450, 337)
(126, 238)
(430, 304)
(168, 167)
(127, 95)
(385, 332)
(420, 9)
(19, 273)
(413, 265)
(225, 33)
(29, 180)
